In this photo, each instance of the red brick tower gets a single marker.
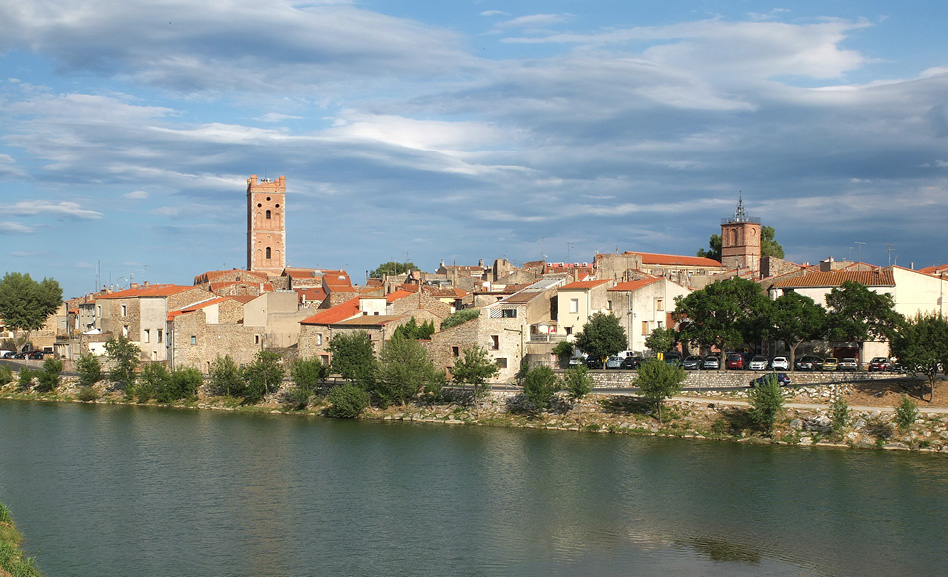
(266, 225)
(740, 240)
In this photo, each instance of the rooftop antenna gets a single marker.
(889, 250)
(856, 242)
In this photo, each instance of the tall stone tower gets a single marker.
(740, 240)
(266, 225)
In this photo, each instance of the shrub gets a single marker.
(563, 351)
(126, 356)
(659, 381)
(308, 374)
(226, 378)
(25, 378)
(264, 376)
(153, 380)
(183, 384)
(577, 381)
(434, 388)
(6, 375)
(539, 386)
(87, 394)
(766, 401)
(905, 413)
(49, 377)
(89, 369)
(839, 414)
(460, 317)
(348, 401)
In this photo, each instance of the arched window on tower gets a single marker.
(268, 215)
(268, 253)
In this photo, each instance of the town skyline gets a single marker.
(409, 133)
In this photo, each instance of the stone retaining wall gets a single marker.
(712, 379)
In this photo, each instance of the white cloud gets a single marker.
(43, 207)
(136, 195)
(15, 228)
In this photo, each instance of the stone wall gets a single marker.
(711, 379)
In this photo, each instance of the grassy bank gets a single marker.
(12, 561)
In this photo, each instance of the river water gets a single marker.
(115, 490)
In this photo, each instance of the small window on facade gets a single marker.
(125, 331)
(147, 336)
(659, 305)
(502, 363)
(608, 305)
(455, 352)
(100, 310)
(194, 339)
(124, 310)
(495, 342)
(268, 252)
(574, 305)
(644, 327)
(660, 324)
(569, 331)
(268, 215)
(508, 313)
(154, 355)
(160, 335)
(256, 340)
(268, 199)
(319, 339)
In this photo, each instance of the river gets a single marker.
(103, 490)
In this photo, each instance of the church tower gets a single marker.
(266, 225)
(740, 240)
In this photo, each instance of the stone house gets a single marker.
(643, 305)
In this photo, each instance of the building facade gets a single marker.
(266, 225)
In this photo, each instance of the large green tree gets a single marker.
(857, 314)
(658, 381)
(769, 246)
(475, 367)
(921, 345)
(723, 314)
(403, 369)
(602, 336)
(661, 339)
(392, 268)
(264, 376)
(795, 319)
(26, 304)
(714, 250)
(539, 387)
(353, 357)
(125, 357)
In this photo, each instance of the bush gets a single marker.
(264, 376)
(348, 401)
(49, 377)
(308, 374)
(460, 317)
(766, 401)
(563, 351)
(905, 413)
(539, 386)
(125, 357)
(659, 381)
(434, 388)
(89, 369)
(577, 381)
(153, 380)
(87, 394)
(6, 375)
(183, 384)
(839, 412)
(226, 379)
(25, 378)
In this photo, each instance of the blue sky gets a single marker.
(462, 130)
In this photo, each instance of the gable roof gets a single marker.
(338, 313)
(196, 306)
(633, 285)
(584, 284)
(158, 290)
(676, 260)
(836, 278)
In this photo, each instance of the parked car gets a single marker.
(783, 379)
(577, 360)
(830, 364)
(613, 362)
(711, 362)
(848, 364)
(758, 363)
(672, 358)
(780, 363)
(7, 355)
(809, 363)
(734, 361)
(631, 363)
(37, 356)
(692, 362)
(594, 363)
(879, 364)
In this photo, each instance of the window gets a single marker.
(608, 305)
(509, 313)
(268, 215)
(125, 331)
(659, 305)
(194, 340)
(645, 327)
(147, 336)
(268, 253)
(100, 310)
(455, 352)
(124, 310)
(569, 331)
(160, 335)
(319, 339)
(154, 355)
(660, 324)
(494, 342)
(502, 363)
(256, 339)
(574, 305)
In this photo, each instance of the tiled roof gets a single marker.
(369, 320)
(196, 306)
(399, 294)
(213, 275)
(836, 278)
(219, 285)
(934, 270)
(634, 285)
(584, 284)
(158, 290)
(447, 292)
(338, 313)
(312, 294)
(675, 259)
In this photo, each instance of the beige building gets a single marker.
(577, 301)
(643, 305)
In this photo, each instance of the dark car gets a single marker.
(711, 362)
(783, 379)
(37, 356)
(809, 363)
(672, 359)
(734, 361)
(631, 363)
(594, 363)
(692, 362)
(879, 364)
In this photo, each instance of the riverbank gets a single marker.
(805, 420)
(13, 563)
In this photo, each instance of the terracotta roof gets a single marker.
(634, 285)
(243, 299)
(399, 294)
(584, 284)
(838, 277)
(196, 306)
(338, 313)
(675, 259)
(213, 275)
(158, 290)
(447, 292)
(937, 269)
(370, 320)
(312, 294)
(412, 288)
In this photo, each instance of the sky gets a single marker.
(472, 129)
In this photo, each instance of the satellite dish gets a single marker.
(121, 282)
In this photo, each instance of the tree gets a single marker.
(392, 268)
(661, 339)
(347, 401)
(308, 374)
(89, 369)
(857, 314)
(921, 345)
(225, 378)
(766, 401)
(714, 252)
(906, 412)
(539, 386)
(602, 336)
(353, 357)
(26, 304)
(125, 357)
(658, 381)
(403, 369)
(563, 351)
(723, 314)
(768, 246)
(475, 367)
(412, 330)
(49, 377)
(264, 376)
(460, 317)
(152, 382)
(795, 319)
(577, 381)
(183, 384)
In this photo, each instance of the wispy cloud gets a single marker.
(42, 207)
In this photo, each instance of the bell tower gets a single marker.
(266, 225)
(740, 240)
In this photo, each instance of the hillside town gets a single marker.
(522, 312)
